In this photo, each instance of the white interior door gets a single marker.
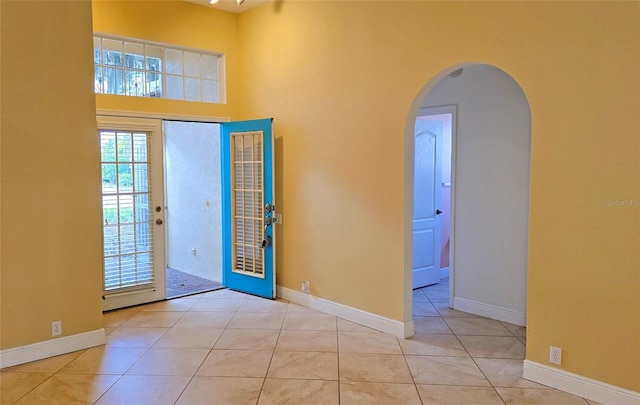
(132, 211)
(426, 201)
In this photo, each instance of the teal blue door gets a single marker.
(248, 234)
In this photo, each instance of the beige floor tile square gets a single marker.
(221, 304)
(189, 338)
(144, 389)
(194, 319)
(118, 317)
(368, 342)
(105, 360)
(457, 395)
(497, 347)
(446, 312)
(224, 293)
(14, 385)
(50, 365)
(308, 341)
(360, 367)
(257, 320)
(529, 396)
(247, 339)
(236, 363)
(66, 389)
(445, 370)
(477, 327)
(134, 337)
(517, 330)
(419, 296)
(431, 325)
(301, 309)
(309, 321)
(433, 345)
(437, 295)
(304, 365)
(506, 373)
(173, 305)
(298, 392)
(356, 393)
(221, 390)
(182, 362)
(421, 309)
(263, 305)
(443, 284)
(348, 326)
(153, 319)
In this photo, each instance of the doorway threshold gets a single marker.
(180, 284)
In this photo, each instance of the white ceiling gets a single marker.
(230, 5)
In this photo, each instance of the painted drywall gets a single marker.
(175, 23)
(493, 146)
(324, 69)
(51, 245)
(192, 167)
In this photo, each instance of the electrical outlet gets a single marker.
(194, 251)
(555, 355)
(278, 219)
(56, 328)
(305, 286)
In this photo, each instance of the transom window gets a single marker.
(143, 69)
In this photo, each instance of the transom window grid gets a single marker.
(248, 202)
(126, 210)
(137, 68)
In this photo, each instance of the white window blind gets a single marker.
(126, 209)
(248, 202)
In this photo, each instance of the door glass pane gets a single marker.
(248, 204)
(126, 210)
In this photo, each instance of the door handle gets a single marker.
(438, 212)
(266, 241)
(159, 222)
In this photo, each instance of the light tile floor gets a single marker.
(225, 347)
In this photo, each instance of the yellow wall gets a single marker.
(51, 245)
(340, 79)
(176, 23)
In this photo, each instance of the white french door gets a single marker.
(132, 211)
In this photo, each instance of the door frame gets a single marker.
(158, 291)
(453, 110)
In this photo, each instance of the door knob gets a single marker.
(438, 212)
(159, 222)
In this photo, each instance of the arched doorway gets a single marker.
(489, 192)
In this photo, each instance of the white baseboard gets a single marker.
(490, 311)
(50, 348)
(444, 272)
(578, 385)
(373, 321)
